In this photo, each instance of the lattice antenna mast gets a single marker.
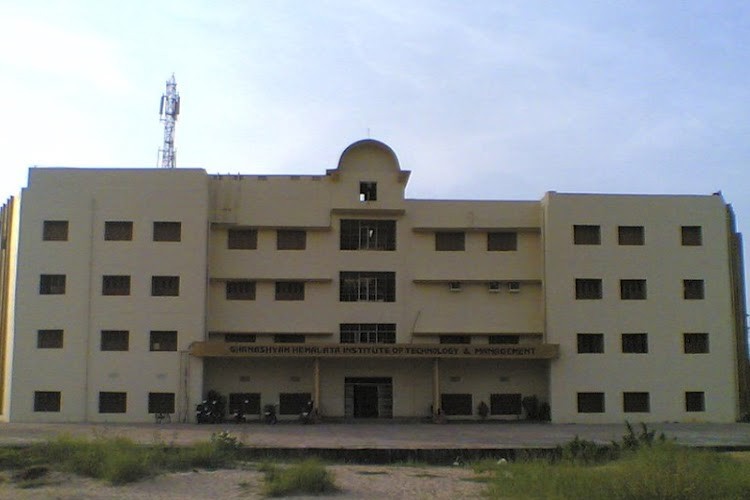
(169, 108)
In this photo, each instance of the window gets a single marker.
(504, 241)
(588, 289)
(504, 339)
(367, 333)
(167, 231)
(242, 239)
(290, 290)
(161, 340)
(696, 343)
(368, 191)
(113, 402)
(52, 284)
(633, 289)
(635, 343)
(288, 338)
(590, 343)
(47, 401)
(692, 289)
(586, 235)
(456, 404)
(493, 286)
(114, 340)
(368, 235)
(116, 285)
(49, 339)
(165, 286)
(695, 401)
(692, 236)
(248, 402)
(292, 403)
(450, 241)
(240, 290)
(55, 230)
(590, 402)
(367, 286)
(287, 239)
(636, 402)
(239, 337)
(161, 402)
(505, 404)
(455, 339)
(118, 230)
(630, 235)
(454, 286)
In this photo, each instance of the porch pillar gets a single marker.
(316, 384)
(435, 386)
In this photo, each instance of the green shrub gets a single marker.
(308, 477)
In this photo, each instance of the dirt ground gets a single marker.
(354, 481)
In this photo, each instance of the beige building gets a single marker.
(126, 293)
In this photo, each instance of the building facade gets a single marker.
(127, 293)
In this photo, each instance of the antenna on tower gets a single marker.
(169, 108)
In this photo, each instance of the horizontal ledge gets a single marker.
(476, 281)
(246, 332)
(269, 280)
(475, 229)
(479, 334)
(233, 225)
(369, 211)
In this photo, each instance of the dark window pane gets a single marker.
(590, 343)
(455, 339)
(161, 402)
(165, 286)
(240, 290)
(367, 333)
(456, 404)
(239, 337)
(116, 285)
(49, 339)
(52, 284)
(113, 402)
(692, 236)
(293, 403)
(368, 235)
(47, 401)
(163, 340)
(287, 239)
(450, 241)
(695, 401)
(502, 241)
(636, 402)
(55, 230)
(368, 191)
(114, 340)
(367, 287)
(693, 289)
(504, 339)
(248, 402)
(633, 289)
(588, 289)
(505, 404)
(290, 290)
(167, 231)
(590, 402)
(118, 231)
(242, 239)
(289, 338)
(586, 235)
(630, 235)
(635, 343)
(696, 343)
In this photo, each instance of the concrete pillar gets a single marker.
(316, 384)
(435, 385)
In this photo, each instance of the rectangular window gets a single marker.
(113, 402)
(239, 337)
(504, 339)
(456, 404)
(163, 340)
(115, 340)
(118, 230)
(368, 235)
(165, 286)
(116, 285)
(586, 235)
(240, 290)
(636, 402)
(242, 239)
(367, 333)
(693, 289)
(288, 338)
(292, 403)
(161, 402)
(455, 339)
(167, 231)
(55, 230)
(290, 290)
(47, 401)
(49, 339)
(367, 286)
(287, 239)
(590, 343)
(588, 289)
(633, 289)
(247, 402)
(450, 241)
(635, 343)
(590, 402)
(630, 235)
(692, 236)
(695, 401)
(696, 343)
(505, 404)
(502, 241)
(52, 284)
(368, 191)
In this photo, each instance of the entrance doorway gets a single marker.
(368, 397)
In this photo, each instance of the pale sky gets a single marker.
(479, 99)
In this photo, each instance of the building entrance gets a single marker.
(368, 397)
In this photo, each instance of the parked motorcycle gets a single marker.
(308, 413)
(269, 414)
(209, 412)
(239, 414)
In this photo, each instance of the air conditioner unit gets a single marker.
(514, 286)
(455, 286)
(493, 286)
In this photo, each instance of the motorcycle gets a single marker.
(209, 412)
(308, 413)
(239, 414)
(269, 414)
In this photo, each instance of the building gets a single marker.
(132, 292)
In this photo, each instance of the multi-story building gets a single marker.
(132, 292)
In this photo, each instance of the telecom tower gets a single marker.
(169, 108)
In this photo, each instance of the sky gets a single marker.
(480, 99)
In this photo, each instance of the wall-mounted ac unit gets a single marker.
(514, 286)
(454, 286)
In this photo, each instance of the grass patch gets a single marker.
(308, 477)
